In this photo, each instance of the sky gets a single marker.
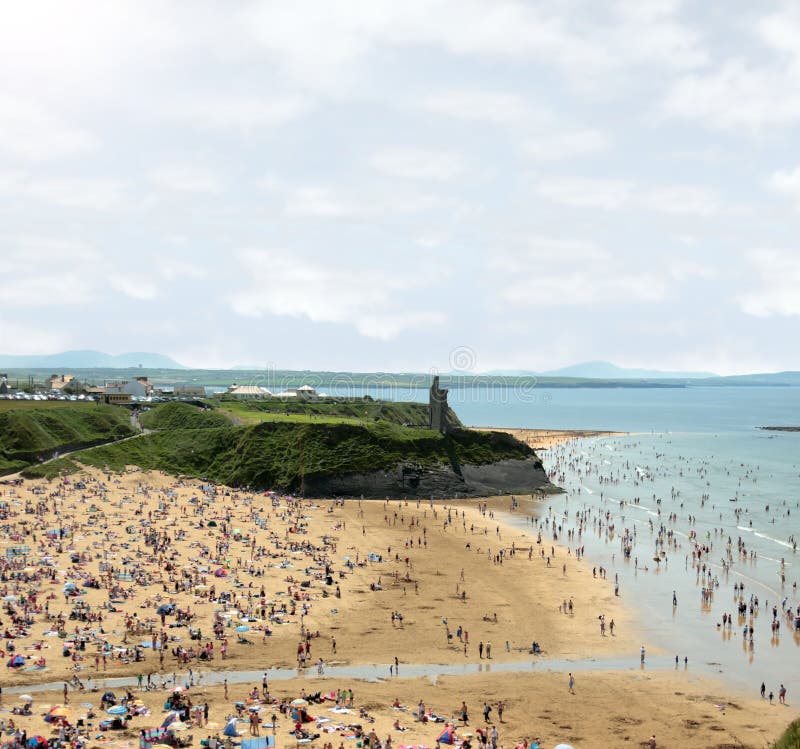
(387, 186)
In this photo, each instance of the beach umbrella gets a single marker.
(171, 717)
(26, 698)
(59, 711)
(563, 746)
(299, 702)
(117, 710)
(230, 729)
(242, 628)
(165, 608)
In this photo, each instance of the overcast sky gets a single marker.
(371, 185)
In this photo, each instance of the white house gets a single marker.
(248, 391)
(304, 393)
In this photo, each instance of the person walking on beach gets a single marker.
(763, 690)
(782, 695)
(480, 649)
(571, 683)
(642, 655)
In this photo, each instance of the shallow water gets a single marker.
(670, 473)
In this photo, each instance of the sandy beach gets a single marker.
(107, 566)
(544, 439)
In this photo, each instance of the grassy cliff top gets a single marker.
(28, 429)
(280, 454)
(357, 410)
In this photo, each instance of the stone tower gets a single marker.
(437, 407)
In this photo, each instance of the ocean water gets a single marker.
(695, 468)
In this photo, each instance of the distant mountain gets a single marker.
(607, 371)
(88, 360)
(602, 370)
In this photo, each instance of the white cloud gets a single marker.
(498, 107)
(779, 274)
(554, 146)
(584, 289)
(45, 291)
(296, 287)
(96, 194)
(409, 163)
(317, 201)
(612, 194)
(608, 194)
(787, 182)
(27, 251)
(245, 112)
(737, 94)
(186, 179)
(133, 286)
(682, 199)
(534, 252)
(30, 133)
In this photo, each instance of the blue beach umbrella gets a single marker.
(117, 710)
(242, 628)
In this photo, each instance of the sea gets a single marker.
(694, 467)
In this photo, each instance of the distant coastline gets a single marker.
(781, 429)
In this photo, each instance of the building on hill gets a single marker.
(3, 384)
(248, 392)
(58, 382)
(303, 393)
(139, 387)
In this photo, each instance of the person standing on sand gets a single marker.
(571, 683)
(782, 695)
(642, 655)
(480, 649)
(763, 690)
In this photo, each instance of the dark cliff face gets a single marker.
(440, 481)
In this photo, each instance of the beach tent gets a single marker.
(230, 729)
(220, 572)
(165, 608)
(447, 736)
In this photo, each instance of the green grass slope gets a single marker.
(790, 739)
(27, 430)
(332, 411)
(280, 455)
(182, 416)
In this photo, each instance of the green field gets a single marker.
(282, 454)
(182, 416)
(29, 429)
(356, 410)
